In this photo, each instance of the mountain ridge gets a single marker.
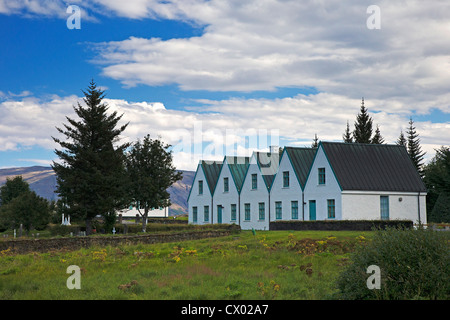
(42, 180)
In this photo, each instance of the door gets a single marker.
(312, 210)
(219, 214)
(384, 207)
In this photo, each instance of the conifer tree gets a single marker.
(401, 141)
(363, 126)
(91, 174)
(315, 142)
(347, 136)
(414, 149)
(377, 138)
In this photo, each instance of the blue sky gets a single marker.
(236, 69)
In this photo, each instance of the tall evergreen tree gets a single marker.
(91, 173)
(315, 142)
(347, 136)
(363, 126)
(151, 172)
(401, 141)
(414, 149)
(377, 138)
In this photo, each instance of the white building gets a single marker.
(200, 199)
(132, 212)
(286, 193)
(228, 188)
(336, 181)
(352, 181)
(255, 193)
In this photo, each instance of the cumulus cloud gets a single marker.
(217, 127)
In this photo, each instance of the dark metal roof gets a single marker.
(301, 160)
(373, 167)
(238, 168)
(211, 170)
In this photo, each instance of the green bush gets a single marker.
(414, 264)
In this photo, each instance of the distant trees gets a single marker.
(21, 206)
(437, 179)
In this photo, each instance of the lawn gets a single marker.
(269, 265)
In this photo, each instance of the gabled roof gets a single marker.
(238, 167)
(372, 167)
(211, 169)
(268, 164)
(301, 160)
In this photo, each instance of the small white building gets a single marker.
(286, 193)
(228, 188)
(132, 212)
(352, 181)
(255, 194)
(200, 198)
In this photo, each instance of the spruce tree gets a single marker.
(91, 173)
(347, 136)
(315, 142)
(414, 149)
(401, 141)
(377, 138)
(363, 126)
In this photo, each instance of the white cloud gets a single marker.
(216, 128)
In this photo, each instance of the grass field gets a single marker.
(268, 265)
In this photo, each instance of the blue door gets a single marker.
(384, 207)
(312, 209)
(219, 214)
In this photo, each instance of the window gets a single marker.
(278, 210)
(285, 179)
(262, 211)
(194, 214)
(254, 181)
(294, 209)
(331, 209)
(247, 212)
(200, 186)
(233, 212)
(206, 213)
(225, 185)
(321, 175)
(384, 207)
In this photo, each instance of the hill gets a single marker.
(42, 180)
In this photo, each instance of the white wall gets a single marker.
(226, 199)
(321, 193)
(283, 194)
(360, 205)
(199, 200)
(254, 197)
(155, 213)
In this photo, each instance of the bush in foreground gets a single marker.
(414, 264)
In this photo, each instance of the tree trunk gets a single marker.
(88, 227)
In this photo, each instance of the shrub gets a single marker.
(414, 264)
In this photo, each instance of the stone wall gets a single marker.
(20, 246)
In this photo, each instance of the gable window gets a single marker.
(278, 210)
(226, 185)
(321, 175)
(254, 181)
(200, 186)
(331, 209)
(294, 209)
(247, 212)
(206, 213)
(262, 211)
(194, 214)
(285, 179)
(233, 212)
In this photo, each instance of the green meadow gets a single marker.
(267, 265)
